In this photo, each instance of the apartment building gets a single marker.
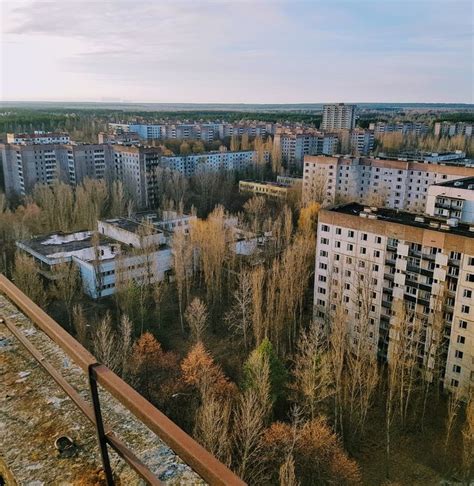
(406, 128)
(136, 167)
(295, 143)
(125, 249)
(370, 263)
(362, 141)
(453, 199)
(449, 129)
(36, 160)
(38, 137)
(189, 165)
(252, 129)
(338, 117)
(384, 182)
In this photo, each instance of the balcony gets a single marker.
(83, 422)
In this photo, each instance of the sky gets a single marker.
(259, 51)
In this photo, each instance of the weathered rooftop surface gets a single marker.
(35, 411)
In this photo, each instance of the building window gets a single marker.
(363, 236)
(456, 369)
(467, 293)
(458, 354)
(338, 231)
(463, 324)
(325, 227)
(470, 277)
(461, 340)
(465, 309)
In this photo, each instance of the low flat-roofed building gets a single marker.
(267, 189)
(452, 199)
(119, 251)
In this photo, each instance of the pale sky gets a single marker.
(237, 51)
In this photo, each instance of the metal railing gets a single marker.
(192, 453)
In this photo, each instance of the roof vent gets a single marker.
(420, 219)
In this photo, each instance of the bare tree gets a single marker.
(27, 278)
(80, 324)
(106, 349)
(196, 317)
(66, 285)
(239, 317)
(212, 426)
(313, 381)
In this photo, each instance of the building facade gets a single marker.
(338, 117)
(371, 263)
(393, 183)
(362, 142)
(296, 143)
(453, 199)
(405, 128)
(189, 165)
(448, 129)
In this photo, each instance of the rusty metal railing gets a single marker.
(192, 453)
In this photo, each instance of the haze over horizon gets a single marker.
(227, 52)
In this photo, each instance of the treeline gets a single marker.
(394, 142)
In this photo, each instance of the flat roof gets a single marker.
(131, 225)
(463, 183)
(403, 217)
(60, 242)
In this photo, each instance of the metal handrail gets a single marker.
(192, 453)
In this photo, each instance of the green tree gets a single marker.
(278, 373)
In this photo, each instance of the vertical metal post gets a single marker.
(99, 426)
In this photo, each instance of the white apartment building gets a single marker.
(412, 128)
(370, 262)
(189, 165)
(448, 129)
(37, 137)
(296, 143)
(123, 251)
(338, 117)
(392, 183)
(362, 142)
(453, 199)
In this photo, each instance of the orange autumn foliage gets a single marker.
(319, 456)
(200, 370)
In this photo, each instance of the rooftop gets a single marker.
(407, 219)
(133, 225)
(50, 393)
(465, 183)
(65, 245)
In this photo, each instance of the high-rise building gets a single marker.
(338, 117)
(448, 129)
(32, 162)
(387, 272)
(385, 182)
(188, 165)
(295, 143)
(362, 142)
